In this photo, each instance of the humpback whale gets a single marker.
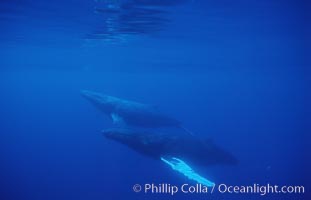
(130, 112)
(179, 151)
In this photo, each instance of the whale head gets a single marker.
(120, 135)
(104, 102)
(140, 141)
(124, 136)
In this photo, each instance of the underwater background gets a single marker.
(237, 72)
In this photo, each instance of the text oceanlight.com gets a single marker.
(260, 189)
(165, 188)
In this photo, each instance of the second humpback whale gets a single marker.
(130, 112)
(176, 150)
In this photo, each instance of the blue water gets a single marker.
(237, 72)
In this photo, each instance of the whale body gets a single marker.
(129, 112)
(158, 144)
(177, 150)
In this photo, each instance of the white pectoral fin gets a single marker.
(116, 118)
(182, 167)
